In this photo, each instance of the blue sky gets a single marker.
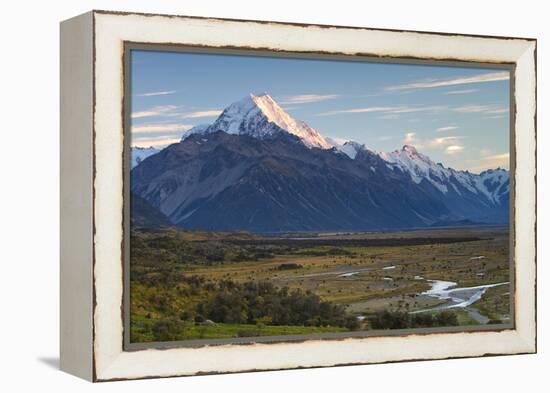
(457, 116)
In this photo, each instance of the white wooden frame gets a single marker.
(92, 194)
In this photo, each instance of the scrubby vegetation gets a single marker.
(402, 320)
(289, 266)
(261, 301)
(207, 303)
(193, 284)
(207, 249)
(155, 248)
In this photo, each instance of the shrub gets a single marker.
(185, 315)
(402, 320)
(446, 318)
(248, 333)
(167, 329)
(389, 320)
(289, 266)
(352, 323)
(199, 319)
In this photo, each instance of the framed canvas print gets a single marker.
(247, 195)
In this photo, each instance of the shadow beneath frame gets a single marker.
(52, 362)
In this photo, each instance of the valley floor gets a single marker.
(191, 284)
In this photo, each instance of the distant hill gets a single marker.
(143, 215)
(457, 223)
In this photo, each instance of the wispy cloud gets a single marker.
(473, 108)
(389, 117)
(413, 109)
(197, 114)
(156, 93)
(449, 144)
(465, 91)
(444, 141)
(160, 128)
(448, 128)
(490, 161)
(502, 160)
(155, 111)
(159, 141)
(486, 109)
(454, 149)
(387, 110)
(480, 78)
(498, 111)
(307, 98)
(174, 111)
(409, 137)
(412, 139)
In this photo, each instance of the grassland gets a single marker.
(184, 284)
(143, 330)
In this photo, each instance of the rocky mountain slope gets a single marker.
(258, 169)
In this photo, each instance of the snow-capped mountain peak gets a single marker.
(409, 154)
(260, 116)
(408, 160)
(350, 148)
(409, 157)
(492, 183)
(419, 166)
(409, 149)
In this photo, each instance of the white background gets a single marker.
(29, 205)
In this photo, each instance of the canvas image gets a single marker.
(274, 197)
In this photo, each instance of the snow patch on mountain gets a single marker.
(138, 154)
(350, 148)
(494, 183)
(198, 129)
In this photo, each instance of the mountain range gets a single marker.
(256, 168)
